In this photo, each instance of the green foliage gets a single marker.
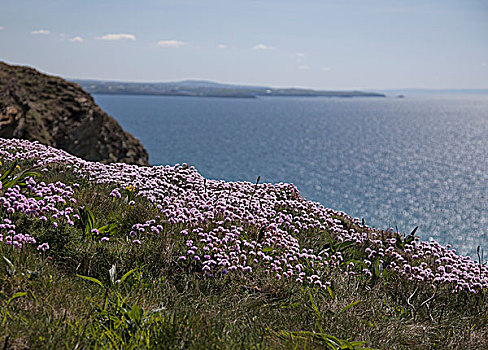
(401, 242)
(328, 341)
(336, 246)
(89, 225)
(10, 268)
(5, 314)
(92, 279)
(8, 179)
(119, 323)
(113, 277)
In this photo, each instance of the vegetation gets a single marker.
(128, 257)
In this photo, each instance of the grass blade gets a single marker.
(9, 170)
(10, 266)
(127, 274)
(15, 296)
(349, 306)
(91, 279)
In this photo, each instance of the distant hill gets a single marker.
(199, 88)
(58, 113)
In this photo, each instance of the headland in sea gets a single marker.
(199, 88)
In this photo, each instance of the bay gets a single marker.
(418, 161)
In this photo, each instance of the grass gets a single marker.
(116, 294)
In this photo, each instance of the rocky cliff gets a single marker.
(36, 106)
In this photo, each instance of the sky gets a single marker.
(323, 44)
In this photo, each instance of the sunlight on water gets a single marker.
(418, 161)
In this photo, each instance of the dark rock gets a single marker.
(48, 109)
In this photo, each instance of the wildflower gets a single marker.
(183, 198)
(43, 247)
(115, 193)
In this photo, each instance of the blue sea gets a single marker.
(417, 161)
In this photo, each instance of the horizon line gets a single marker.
(291, 86)
(273, 86)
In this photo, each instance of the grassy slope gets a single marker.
(170, 303)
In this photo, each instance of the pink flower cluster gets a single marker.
(40, 200)
(11, 237)
(241, 226)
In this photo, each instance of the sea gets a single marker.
(399, 163)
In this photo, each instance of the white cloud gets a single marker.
(299, 56)
(77, 39)
(263, 47)
(171, 43)
(115, 37)
(326, 69)
(2, 28)
(40, 32)
(303, 67)
(222, 46)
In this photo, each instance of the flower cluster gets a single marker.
(241, 226)
(11, 237)
(39, 200)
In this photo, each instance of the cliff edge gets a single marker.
(58, 113)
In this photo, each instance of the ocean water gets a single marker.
(418, 161)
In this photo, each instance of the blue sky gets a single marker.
(327, 44)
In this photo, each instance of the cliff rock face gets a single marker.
(57, 113)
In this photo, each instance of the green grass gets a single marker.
(165, 303)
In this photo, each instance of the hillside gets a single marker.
(48, 109)
(121, 256)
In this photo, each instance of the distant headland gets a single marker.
(199, 88)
